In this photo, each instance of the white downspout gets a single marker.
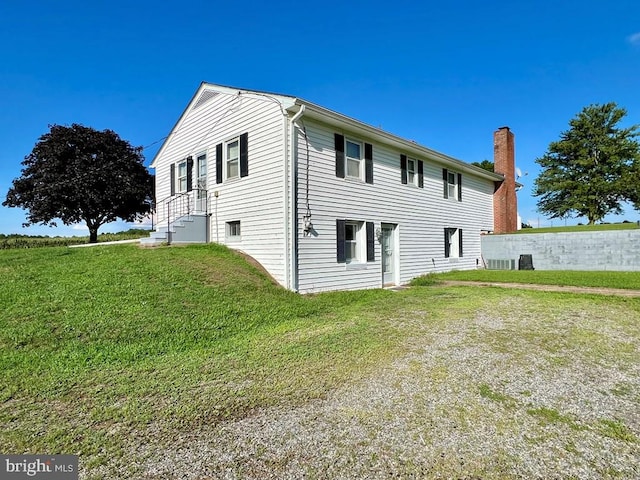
(285, 149)
(290, 202)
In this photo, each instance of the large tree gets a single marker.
(592, 170)
(79, 174)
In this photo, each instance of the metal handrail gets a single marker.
(179, 205)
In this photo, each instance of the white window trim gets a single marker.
(227, 159)
(359, 160)
(412, 173)
(181, 178)
(356, 266)
(453, 237)
(452, 188)
(359, 243)
(230, 228)
(201, 182)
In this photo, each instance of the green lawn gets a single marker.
(122, 336)
(601, 279)
(98, 343)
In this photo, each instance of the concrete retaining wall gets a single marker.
(607, 250)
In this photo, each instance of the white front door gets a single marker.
(388, 255)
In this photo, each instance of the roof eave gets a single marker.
(324, 115)
(285, 100)
(336, 119)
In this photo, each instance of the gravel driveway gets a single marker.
(494, 396)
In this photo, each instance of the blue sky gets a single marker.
(445, 74)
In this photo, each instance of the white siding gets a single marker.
(421, 214)
(255, 200)
(258, 200)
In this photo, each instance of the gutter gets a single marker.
(341, 121)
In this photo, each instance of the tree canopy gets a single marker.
(79, 174)
(593, 169)
(485, 165)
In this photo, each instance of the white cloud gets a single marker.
(634, 39)
(534, 222)
(80, 226)
(143, 222)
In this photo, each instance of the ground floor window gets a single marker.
(182, 176)
(355, 241)
(233, 230)
(352, 247)
(452, 242)
(202, 175)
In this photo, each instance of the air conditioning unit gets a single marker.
(501, 264)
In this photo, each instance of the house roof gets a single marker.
(293, 104)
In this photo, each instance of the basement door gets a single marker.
(389, 255)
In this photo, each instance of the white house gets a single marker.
(323, 201)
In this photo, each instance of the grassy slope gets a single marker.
(111, 338)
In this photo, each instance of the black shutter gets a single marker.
(368, 163)
(244, 154)
(339, 144)
(460, 242)
(446, 243)
(459, 187)
(445, 181)
(219, 163)
(172, 177)
(341, 253)
(403, 168)
(420, 174)
(189, 174)
(371, 247)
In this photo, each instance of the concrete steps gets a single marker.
(188, 229)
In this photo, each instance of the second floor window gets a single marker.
(411, 171)
(452, 185)
(354, 159)
(233, 159)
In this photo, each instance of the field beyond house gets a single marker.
(187, 362)
(37, 241)
(600, 227)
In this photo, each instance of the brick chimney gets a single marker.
(505, 203)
